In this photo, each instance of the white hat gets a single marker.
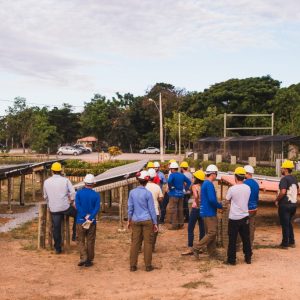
(173, 165)
(152, 173)
(211, 169)
(156, 164)
(143, 175)
(249, 169)
(89, 179)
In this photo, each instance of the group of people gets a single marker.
(160, 200)
(242, 199)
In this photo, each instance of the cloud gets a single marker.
(59, 40)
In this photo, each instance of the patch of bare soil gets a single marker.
(4, 209)
(38, 275)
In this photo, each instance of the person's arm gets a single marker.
(151, 207)
(160, 195)
(212, 197)
(170, 181)
(130, 209)
(78, 206)
(163, 178)
(196, 195)
(71, 190)
(187, 183)
(96, 207)
(283, 186)
(45, 195)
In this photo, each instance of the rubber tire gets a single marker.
(156, 152)
(75, 153)
(144, 152)
(60, 153)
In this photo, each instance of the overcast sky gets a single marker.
(56, 51)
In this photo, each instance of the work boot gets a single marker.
(196, 253)
(149, 268)
(133, 269)
(248, 261)
(292, 245)
(88, 263)
(281, 246)
(81, 263)
(189, 251)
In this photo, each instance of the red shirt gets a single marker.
(156, 179)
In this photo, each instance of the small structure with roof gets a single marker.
(88, 141)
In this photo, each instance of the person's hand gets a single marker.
(155, 228)
(276, 203)
(87, 217)
(128, 225)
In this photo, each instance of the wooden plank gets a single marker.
(33, 186)
(121, 194)
(22, 190)
(9, 193)
(42, 226)
(49, 229)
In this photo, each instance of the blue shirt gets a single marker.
(141, 205)
(177, 185)
(209, 202)
(87, 202)
(254, 187)
(162, 178)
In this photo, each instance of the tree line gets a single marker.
(132, 122)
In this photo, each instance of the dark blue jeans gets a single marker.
(194, 217)
(163, 208)
(186, 212)
(286, 213)
(56, 225)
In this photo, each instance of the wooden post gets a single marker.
(22, 190)
(102, 194)
(67, 232)
(121, 225)
(33, 186)
(0, 190)
(63, 231)
(9, 193)
(49, 229)
(42, 226)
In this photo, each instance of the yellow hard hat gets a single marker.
(172, 160)
(240, 171)
(184, 164)
(287, 164)
(199, 175)
(56, 167)
(150, 164)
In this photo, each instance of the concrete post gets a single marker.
(205, 157)
(233, 160)
(218, 158)
(252, 161)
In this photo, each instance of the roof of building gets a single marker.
(257, 138)
(88, 139)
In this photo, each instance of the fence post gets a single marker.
(9, 193)
(33, 186)
(22, 190)
(233, 160)
(67, 232)
(42, 226)
(205, 157)
(218, 158)
(49, 229)
(121, 207)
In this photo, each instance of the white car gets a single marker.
(150, 150)
(69, 150)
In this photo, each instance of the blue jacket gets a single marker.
(253, 200)
(176, 185)
(209, 202)
(87, 202)
(141, 205)
(162, 178)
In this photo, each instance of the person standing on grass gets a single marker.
(87, 202)
(177, 183)
(286, 202)
(199, 177)
(208, 211)
(238, 223)
(142, 219)
(253, 201)
(157, 197)
(59, 193)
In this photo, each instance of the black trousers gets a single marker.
(186, 212)
(286, 213)
(241, 227)
(163, 207)
(56, 225)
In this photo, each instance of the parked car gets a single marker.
(150, 150)
(83, 148)
(69, 150)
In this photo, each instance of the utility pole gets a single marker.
(179, 134)
(161, 130)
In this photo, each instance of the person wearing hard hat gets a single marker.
(58, 193)
(143, 221)
(87, 203)
(253, 201)
(238, 223)
(160, 174)
(184, 166)
(208, 211)
(286, 202)
(157, 197)
(165, 202)
(151, 165)
(177, 183)
(199, 177)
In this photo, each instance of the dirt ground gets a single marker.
(27, 273)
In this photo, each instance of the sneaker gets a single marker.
(188, 252)
(88, 263)
(196, 253)
(149, 268)
(81, 263)
(230, 263)
(133, 269)
(248, 261)
(58, 251)
(283, 247)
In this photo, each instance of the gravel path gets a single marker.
(18, 219)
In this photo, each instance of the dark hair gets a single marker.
(198, 181)
(239, 177)
(57, 172)
(185, 169)
(142, 182)
(290, 171)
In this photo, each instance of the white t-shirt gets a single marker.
(156, 194)
(239, 195)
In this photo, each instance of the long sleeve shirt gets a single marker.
(177, 183)
(87, 202)
(58, 191)
(162, 178)
(209, 202)
(141, 205)
(254, 196)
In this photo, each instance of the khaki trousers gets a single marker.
(209, 240)
(86, 242)
(141, 231)
(175, 213)
(252, 216)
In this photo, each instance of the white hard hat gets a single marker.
(152, 173)
(156, 164)
(249, 169)
(143, 175)
(173, 165)
(211, 169)
(89, 179)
